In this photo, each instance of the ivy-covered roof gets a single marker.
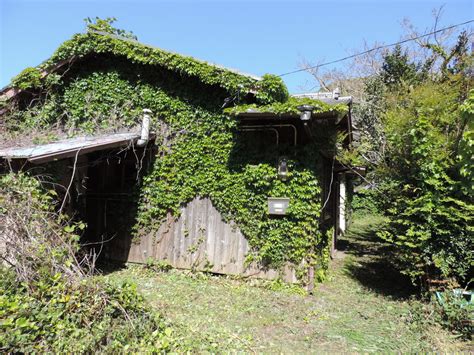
(290, 107)
(101, 42)
(271, 94)
(266, 89)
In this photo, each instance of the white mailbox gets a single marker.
(278, 205)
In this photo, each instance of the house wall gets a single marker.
(199, 239)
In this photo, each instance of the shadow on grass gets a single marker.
(109, 267)
(372, 260)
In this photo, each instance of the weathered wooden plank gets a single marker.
(199, 237)
(211, 235)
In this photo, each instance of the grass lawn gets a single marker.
(365, 306)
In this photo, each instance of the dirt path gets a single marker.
(363, 307)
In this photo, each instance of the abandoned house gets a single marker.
(165, 157)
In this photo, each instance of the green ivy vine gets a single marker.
(29, 78)
(288, 106)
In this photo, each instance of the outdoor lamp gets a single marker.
(306, 111)
(278, 205)
(283, 169)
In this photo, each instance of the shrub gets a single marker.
(456, 313)
(271, 89)
(364, 202)
(431, 213)
(48, 300)
(35, 241)
(88, 316)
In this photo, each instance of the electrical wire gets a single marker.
(376, 48)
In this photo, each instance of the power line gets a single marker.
(377, 48)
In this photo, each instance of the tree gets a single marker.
(431, 214)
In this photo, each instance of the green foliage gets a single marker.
(100, 101)
(66, 104)
(420, 140)
(91, 316)
(37, 242)
(461, 60)
(465, 150)
(281, 286)
(105, 25)
(47, 304)
(456, 313)
(155, 266)
(21, 188)
(373, 200)
(29, 78)
(364, 202)
(83, 44)
(206, 158)
(289, 106)
(418, 136)
(210, 161)
(397, 70)
(271, 89)
(431, 215)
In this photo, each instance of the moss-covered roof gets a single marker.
(266, 89)
(81, 45)
(289, 107)
(270, 92)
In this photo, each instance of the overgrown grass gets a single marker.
(364, 306)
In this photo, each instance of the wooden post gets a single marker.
(310, 279)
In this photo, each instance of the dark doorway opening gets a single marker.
(109, 201)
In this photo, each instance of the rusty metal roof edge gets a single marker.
(69, 147)
(326, 97)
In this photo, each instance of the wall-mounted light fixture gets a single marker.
(278, 205)
(283, 169)
(306, 111)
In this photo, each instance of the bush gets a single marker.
(431, 213)
(456, 313)
(49, 302)
(89, 316)
(364, 202)
(35, 241)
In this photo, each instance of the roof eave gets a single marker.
(67, 148)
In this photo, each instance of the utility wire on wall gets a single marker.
(377, 48)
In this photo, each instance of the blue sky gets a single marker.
(258, 37)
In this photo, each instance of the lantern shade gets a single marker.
(278, 205)
(306, 111)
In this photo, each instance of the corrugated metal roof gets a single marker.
(69, 147)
